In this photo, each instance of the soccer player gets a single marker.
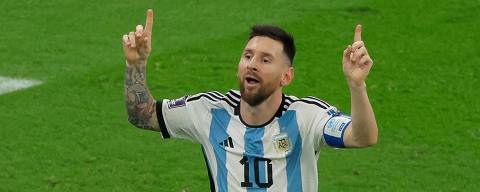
(257, 138)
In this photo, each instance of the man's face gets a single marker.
(261, 69)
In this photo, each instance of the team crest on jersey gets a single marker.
(180, 102)
(282, 143)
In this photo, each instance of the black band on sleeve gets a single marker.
(161, 121)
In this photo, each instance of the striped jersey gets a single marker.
(280, 155)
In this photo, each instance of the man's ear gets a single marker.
(287, 77)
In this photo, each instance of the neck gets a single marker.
(262, 113)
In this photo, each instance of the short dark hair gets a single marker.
(278, 34)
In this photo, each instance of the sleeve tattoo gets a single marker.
(141, 107)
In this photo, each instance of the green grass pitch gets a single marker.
(71, 133)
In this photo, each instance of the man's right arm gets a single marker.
(141, 106)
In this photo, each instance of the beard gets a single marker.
(255, 96)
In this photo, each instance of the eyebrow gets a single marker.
(262, 52)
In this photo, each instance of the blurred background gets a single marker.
(71, 133)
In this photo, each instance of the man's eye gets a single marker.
(247, 56)
(266, 60)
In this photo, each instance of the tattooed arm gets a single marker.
(141, 106)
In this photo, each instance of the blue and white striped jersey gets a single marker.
(280, 155)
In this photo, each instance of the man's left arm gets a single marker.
(362, 131)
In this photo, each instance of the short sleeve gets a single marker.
(334, 128)
(181, 118)
(325, 122)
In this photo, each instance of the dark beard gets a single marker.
(255, 99)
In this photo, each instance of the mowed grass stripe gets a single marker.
(8, 85)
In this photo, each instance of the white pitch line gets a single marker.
(8, 85)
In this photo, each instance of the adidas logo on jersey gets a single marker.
(227, 142)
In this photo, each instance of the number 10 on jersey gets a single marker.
(257, 165)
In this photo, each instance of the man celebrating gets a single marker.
(258, 138)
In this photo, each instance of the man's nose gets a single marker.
(252, 64)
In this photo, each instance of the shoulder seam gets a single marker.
(205, 94)
(316, 103)
(319, 100)
(213, 96)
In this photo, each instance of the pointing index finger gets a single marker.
(358, 33)
(149, 23)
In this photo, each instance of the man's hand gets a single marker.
(138, 45)
(356, 61)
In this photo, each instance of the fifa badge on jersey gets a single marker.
(282, 143)
(180, 102)
(333, 111)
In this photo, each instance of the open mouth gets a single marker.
(251, 80)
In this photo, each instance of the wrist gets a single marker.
(135, 63)
(357, 86)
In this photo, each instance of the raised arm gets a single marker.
(140, 103)
(363, 131)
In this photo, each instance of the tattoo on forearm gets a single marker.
(140, 104)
